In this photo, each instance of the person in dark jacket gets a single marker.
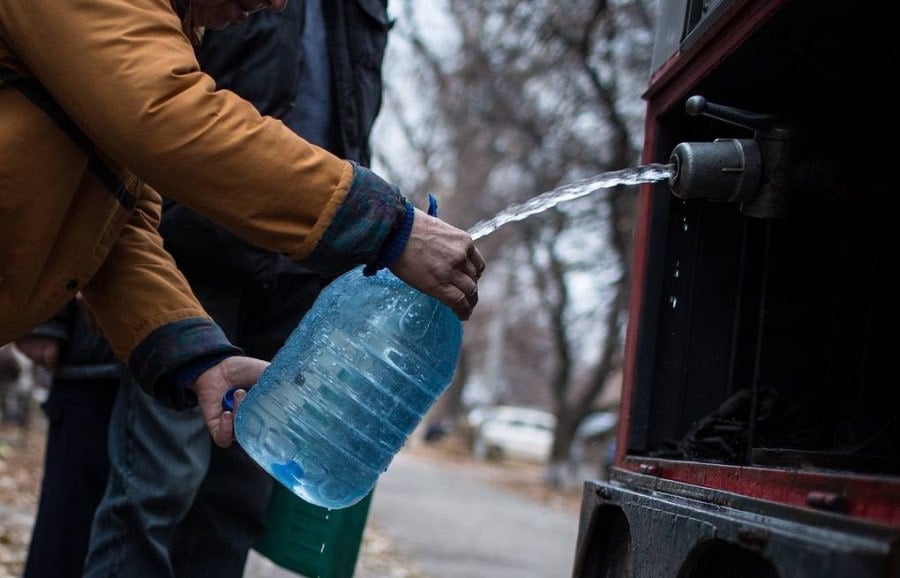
(86, 380)
(193, 508)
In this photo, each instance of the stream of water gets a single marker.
(632, 176)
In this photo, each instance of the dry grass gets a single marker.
(21, 467)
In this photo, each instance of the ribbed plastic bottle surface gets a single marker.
(349, 386)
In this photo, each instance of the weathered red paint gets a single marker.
(866, 497)
(870, 498)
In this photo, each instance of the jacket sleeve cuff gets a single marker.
(187, 374)
(172, 350)
(394, 244)
(371, 211)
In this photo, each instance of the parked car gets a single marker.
(592, 443)
(596, 426)
(517, 433)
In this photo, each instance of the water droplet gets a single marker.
(322, 550)
(673, 301)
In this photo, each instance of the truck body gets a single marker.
(759, 433)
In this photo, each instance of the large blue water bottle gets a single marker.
(349, 386)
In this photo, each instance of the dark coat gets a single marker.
(83, 353)
(261, 60)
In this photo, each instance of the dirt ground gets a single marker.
(21, 459)
(21, 456)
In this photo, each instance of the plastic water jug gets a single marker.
(352, 382)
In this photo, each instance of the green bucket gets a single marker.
(311, 540)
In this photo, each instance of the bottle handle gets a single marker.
(228, 399)
(432, 205)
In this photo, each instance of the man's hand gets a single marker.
(211, 386)
(443, 262)
(43, 351)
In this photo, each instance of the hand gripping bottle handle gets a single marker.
(352, 382)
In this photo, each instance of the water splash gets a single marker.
(632, 176)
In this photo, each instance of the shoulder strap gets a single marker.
(38, 95)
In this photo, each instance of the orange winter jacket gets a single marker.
(78, 208)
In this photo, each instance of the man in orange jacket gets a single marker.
(103, 102)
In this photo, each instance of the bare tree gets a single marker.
(510, 100)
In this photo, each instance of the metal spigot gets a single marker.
(722, 170)
(752, 172)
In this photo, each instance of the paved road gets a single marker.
(446, 520)
(454, 525)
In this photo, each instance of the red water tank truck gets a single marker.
(760, 427)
